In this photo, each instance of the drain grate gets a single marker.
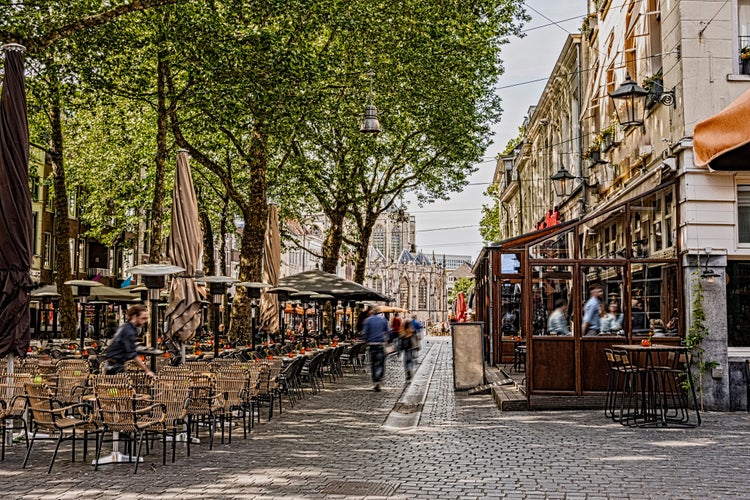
(363, 488)
(407, 408)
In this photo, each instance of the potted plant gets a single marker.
(655, 86)
(594, 152)
(745, 60)
(608, 136)
(589, 23)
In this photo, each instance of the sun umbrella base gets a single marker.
(116, 457)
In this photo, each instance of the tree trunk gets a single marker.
(223, 268)
(255, 214)
(363, 246)
(68, 320)
(334, 239)
(209, 264)
(156, 252)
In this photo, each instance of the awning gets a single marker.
(519, 241)
(723, 141)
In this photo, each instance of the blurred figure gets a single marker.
(591, 324)
(612, 319)
(557, 323)
(375, 332)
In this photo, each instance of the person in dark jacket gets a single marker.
(122, 347)
(375, 332)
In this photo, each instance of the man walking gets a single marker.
(375, 332)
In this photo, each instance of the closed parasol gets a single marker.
(185, 247)
(460, 307)
(15, 208)
(269, 302)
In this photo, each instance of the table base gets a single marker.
(116, 457)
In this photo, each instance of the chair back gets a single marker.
(13, 394)
(75, 364)
(172, 391)
(40, 400)
(116, 405)
(230, 382)
(72, 381)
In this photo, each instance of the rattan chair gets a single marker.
(203, 405)
(12, 403)
(50, 416)
(121, 411)
(230, 383)
(172, 391)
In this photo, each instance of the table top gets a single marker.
(652, 347)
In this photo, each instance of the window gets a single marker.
(743, 213)
(743, 25)
(654, 35)
(72, 204)
(403, 291)
(378, 239)
(422, 299)
(396, 242)
(82, 255)
(35, 233)
(48, 250)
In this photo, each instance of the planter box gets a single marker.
(655, 91)
(608, 142)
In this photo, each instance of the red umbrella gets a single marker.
(460, 307)
(15, 208)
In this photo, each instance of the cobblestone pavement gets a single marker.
(333, 445)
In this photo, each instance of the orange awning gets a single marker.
(723, 141)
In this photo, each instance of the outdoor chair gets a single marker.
(51, 417)
(311, 371)
(268, 389)
(72, 381)
(353, 356)
(172, 392)
(249, 394)
(630, 375)
(203, 405)
(12, 404)
(122, 411)
(230, 382)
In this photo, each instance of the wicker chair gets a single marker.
(71, 383)
(12, 403)
(172, 391)
(50, 416)
(230, 383)
(120, 411)
(203, 404)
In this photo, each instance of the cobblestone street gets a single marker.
(334, 445)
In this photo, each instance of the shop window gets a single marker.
(552, 300)
(654, 300)
(511, 309)
(743, 35)
(738, 303)
(743, 213)
(602, 310)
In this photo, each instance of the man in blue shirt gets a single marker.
(590, 325)
(122, 346)
(375, 332)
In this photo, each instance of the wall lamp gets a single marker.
(562, 182)
(629, 100)
(706, 273)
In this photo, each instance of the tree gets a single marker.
(462, 285)
(489, 225)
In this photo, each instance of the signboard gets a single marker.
(468, 359)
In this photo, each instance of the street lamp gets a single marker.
(253, 291)
(370, 123)
(217, 286)
(97, 317)
(633, 99)
(562, 182)
(84, 291)
(282, 292)
(154, 279)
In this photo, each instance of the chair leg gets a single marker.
(99, 441)
(54, 453)
(138, 453)
(28, 449)
(189, 425)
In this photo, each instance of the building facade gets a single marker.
(671, 236)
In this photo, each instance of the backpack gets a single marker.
(407, 329)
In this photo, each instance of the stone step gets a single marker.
(485, 388)
(509, 398)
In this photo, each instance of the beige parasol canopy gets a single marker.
(269, 302)
(185, 247)
(722, 141)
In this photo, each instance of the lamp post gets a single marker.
(154, 279)
(217, 286)
(633, 99)
(253, 291)
(84, 291)
(282, 292)
(97, 317)
(304, 297)
(562, 182)
(370, 123)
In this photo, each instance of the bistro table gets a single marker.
(664, 386)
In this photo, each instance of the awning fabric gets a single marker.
(723, 141)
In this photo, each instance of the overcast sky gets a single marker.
(452, 227)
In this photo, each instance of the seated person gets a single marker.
(557, 323)
(657, 328)
(611, 322)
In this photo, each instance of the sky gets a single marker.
(452, 227)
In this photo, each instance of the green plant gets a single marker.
(587, 21)
(596, 145)
(697, 333)
(649, 82)
(609, 129)
(745, 53)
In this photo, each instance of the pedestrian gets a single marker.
(406, 345)
(395, 327)
(375, 332)
(418, 331)
(122, 347)
(557, 323)
(591, 315)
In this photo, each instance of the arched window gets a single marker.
(404, 293)
(422, 294)
(395, 242)
(378, 239)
